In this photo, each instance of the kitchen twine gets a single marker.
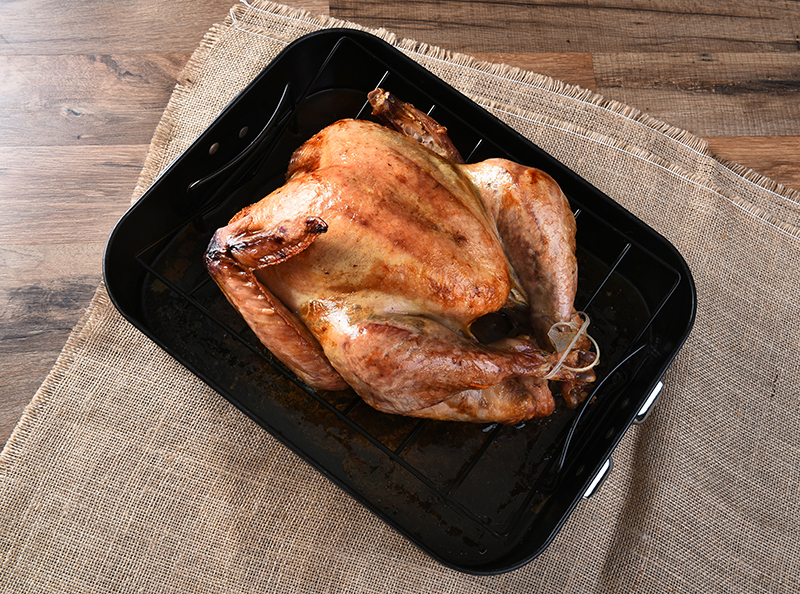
(128, 474)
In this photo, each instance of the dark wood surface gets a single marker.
(83, 85)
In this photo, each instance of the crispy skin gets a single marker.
(235, 253)
(368, 267)
(537, 230)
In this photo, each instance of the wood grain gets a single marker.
(65, 194)
(573, 68)
(84, 84)
(597, 26)
(709, 94)
(777, 157)
(79, 99)
(40, 302)
(101, 26)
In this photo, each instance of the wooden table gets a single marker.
(83, 85)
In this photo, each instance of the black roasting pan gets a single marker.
(482, 499)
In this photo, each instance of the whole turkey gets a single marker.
(370, 266)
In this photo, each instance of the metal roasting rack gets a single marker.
(479, 498)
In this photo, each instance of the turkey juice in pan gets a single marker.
(370, 266)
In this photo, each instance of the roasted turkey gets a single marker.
(370, 265)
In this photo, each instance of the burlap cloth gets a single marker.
(127, 474)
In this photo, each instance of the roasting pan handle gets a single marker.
(559, 463)
(249, 149)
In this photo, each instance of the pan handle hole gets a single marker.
(213, 148)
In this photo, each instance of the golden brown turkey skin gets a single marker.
(369, 265)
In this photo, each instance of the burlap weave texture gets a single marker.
(128, 474)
